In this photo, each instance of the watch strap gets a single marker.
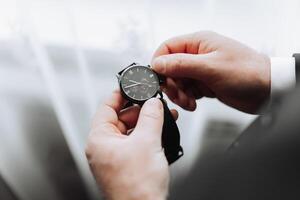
(120, 72)
(170, 136)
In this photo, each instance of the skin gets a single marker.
(206, 64)
(203, 64)
(129, 166)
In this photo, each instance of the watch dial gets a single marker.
(139, 83)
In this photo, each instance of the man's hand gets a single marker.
(206, 64)
(129, 166)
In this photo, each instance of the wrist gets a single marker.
(266, 65)
(265, 72)
(136, 194)
(261, 82)
(135, 188)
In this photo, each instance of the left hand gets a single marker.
(129, 166)
(206, 64)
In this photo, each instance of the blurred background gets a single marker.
(58, 60)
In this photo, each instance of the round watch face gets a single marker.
(139, 83)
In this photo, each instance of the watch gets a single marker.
(138, 83)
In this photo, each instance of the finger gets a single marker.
(150, 122)
(182, 65)
(192, 90)
(170, 88)
(205, 91)
(129, 116)
(180, 44)
(178, 96)
(184, 101)
(194, 43)
(185, 85)
(191, 100)
(107, 112)
(174, 114)
(121, 128)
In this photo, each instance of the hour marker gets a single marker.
(154, 82)
(149, 95)
(133, 96)
(145, 71)
(127, 91)
(142, 97)
(151, 75)
(130, 72)
(137, 69)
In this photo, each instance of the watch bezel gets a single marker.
(128, 97)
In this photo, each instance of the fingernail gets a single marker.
(159, 64)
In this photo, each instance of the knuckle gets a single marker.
(165, 45)
(177, 63)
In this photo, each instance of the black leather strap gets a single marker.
(120, 72)
(297, 62)
(170, 133)
(170, 136)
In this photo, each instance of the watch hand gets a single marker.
(140, 83)
(128, 86)
(146, 84)
(132, 81)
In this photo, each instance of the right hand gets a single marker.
(206, 64)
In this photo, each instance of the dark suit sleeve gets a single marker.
(263, 164)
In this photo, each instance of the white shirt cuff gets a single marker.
(283, 75)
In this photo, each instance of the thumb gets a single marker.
(150, 122)
(182, 65)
